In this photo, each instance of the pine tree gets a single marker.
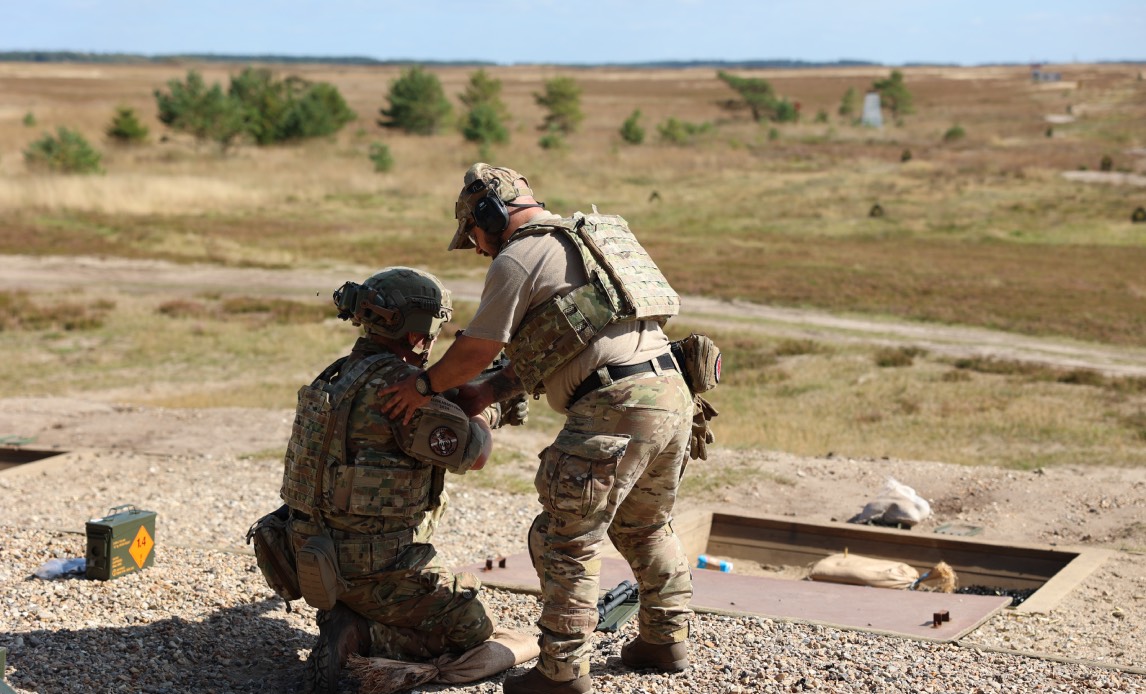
(562, 98)
(417, 103)
(893, 93)
(125, 127)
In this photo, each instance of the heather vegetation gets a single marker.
(979, 229)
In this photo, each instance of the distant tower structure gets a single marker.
(1038, 74)
(872, 116)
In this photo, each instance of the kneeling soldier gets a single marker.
(365, 491)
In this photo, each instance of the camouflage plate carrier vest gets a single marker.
(624, 285)
(319, 480)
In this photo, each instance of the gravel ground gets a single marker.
(202, 620)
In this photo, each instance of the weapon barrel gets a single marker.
(615, 598)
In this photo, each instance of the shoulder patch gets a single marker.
(443, 441)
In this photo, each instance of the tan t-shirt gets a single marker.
(531, 271)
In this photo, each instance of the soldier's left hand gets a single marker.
(404, 400)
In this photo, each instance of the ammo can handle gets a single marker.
(112, 511)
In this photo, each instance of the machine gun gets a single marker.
(617, 606)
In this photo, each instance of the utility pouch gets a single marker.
(318, 576)
(699, 360)
(274, 554)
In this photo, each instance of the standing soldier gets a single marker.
(364, 491)
(578, 304)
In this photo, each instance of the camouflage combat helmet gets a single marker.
(396, 301)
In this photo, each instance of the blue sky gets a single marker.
(893, 32)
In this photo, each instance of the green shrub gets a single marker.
(848, 103)
(758, 95)
(954, 134)
(417, 103)
(204, 112)
(319, 111)
(552, 140)
(631, 130)
(562, 100)
(679, 132)
(486, 115)
(786, 111)
(125, 127)
(29, 119)
(484, 126)
(380, 155)
(286, 110)
(821, 116)
(65, 152)
(893, 93)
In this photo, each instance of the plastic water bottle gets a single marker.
(703, 562)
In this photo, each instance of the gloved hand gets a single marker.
(515, 410)
(492, 414)
(512, 411)
(702, 435)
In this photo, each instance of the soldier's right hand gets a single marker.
(515, 410)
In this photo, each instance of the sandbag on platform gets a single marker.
(880, 573)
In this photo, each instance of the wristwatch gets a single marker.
(422, 385)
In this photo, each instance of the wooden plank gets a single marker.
(778, 541)
(1066, 580)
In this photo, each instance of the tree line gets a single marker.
(262, 109)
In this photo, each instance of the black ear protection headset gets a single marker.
(490, 212)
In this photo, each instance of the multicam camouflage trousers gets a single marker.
(614, 468)
(420, 610)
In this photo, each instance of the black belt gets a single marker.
(616, 373)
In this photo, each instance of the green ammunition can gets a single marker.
(4, 688)
(120, 543)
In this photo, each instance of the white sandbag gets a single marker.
(896, 503)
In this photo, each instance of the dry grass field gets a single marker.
(985, 231)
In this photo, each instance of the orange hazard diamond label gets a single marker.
(141, 546)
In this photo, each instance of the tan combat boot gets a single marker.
(341, 631)
(665, 657)
(533, 682)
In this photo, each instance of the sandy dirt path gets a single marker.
(55, 273)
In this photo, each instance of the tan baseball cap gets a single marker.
(478, 179)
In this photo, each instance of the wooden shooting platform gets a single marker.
(782, 541)
(882, 610)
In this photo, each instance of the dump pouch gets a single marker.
(318, 576)
(699, 360)
(274, 554)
